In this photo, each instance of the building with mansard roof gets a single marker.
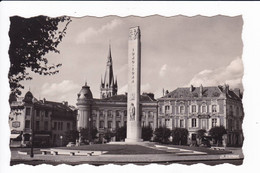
(196, 108)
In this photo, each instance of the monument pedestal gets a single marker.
(129, 140)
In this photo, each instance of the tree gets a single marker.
(200, 134)
(147, 133)
(179, 136)
(71, 136)
(30, 40)
(162, 134)
(88, 134)
(108, 135)
(217, 133)
(121, 133)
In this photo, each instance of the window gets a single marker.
(143, 123)
(203, 124)
(238, 125)
(230, 124)
(109, 114)
(46, 125)
(203, 109)
(46, 114)
(37, 113)
(118, 114)
(101, 124)
(143, 115)
(125, 123)
(118, 124)
(94, 113)
(28, 111)
(61, 126)
(37, 125)
(182, 109)
(55, 126)
(181, 123)
(167, 109)
(167, 123)
(214, 122)
(151, 124)
(94, 123)
(125, 113)
(58, 125)
(193, 122)
(68, 126)
(193, 109)
(109, 124)
(101, 113)
(214, 108)
(231, 110)
(150, 114)
(27, 124)
(237, 112)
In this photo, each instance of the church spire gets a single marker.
(108, 82)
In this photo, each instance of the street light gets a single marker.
(61, 140)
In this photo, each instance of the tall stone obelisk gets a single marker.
(134, 78)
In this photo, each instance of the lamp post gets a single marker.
(32, 130)
(89, 130)
(61, 140)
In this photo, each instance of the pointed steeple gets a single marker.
(108, 87)
(108, 80)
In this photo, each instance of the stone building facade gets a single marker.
(49, 121)
(111, 112)
(201, 107)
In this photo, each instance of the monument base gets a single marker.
(130, 140)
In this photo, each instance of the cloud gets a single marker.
(90, 32)
(162, 71)
(231, 74)
(58, 89)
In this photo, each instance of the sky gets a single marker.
(176, 52)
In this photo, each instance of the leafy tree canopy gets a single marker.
(201, 133)
(162, 134)
(30, 40)
(217, 133)
(147, 133)
(179, 136)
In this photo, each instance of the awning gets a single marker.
(13, 136)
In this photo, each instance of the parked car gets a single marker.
(71, 144)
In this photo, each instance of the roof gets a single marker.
(123, 98)
(211, 91)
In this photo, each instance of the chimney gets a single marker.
(163, 92)
(237, 92)
(44, 100)
(166, 92)
(191, 88)
(201, 90)
(65, 103)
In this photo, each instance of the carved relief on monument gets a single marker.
(132, 112)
